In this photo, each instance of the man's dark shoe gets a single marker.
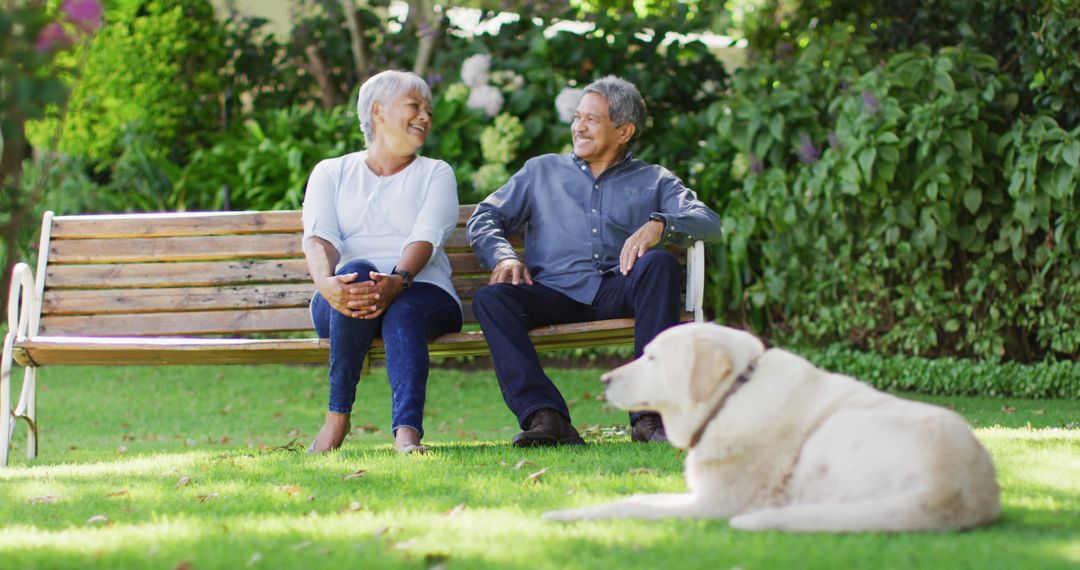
(547, 427)
(648, 427)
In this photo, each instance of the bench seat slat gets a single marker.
(180, 274)
(183, 248)
(169, 324)
(55, 350)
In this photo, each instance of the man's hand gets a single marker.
(510, 270)
(638, 243)
(346, 296)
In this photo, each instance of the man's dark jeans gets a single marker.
(418, 315)
(650, 293)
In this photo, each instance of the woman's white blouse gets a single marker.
(364, 215)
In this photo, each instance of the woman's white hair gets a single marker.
(384, 88)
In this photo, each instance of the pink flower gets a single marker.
(85, 14)
(50, 37)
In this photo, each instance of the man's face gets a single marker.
(596, 138)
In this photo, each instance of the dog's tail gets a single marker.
(904, 512)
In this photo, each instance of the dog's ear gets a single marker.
(711, 365)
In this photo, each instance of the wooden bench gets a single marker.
(208, 288)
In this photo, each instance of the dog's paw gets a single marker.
(749, 521)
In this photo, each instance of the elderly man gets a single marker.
(592, 219)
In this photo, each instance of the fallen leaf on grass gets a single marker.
(294, 432)
(120, 450)
(641, 471)
(405, 545)
(350, 508)
(226, 409)
(291, 490)
(1009, 410)
(183, 482)
(120, 493)
(45, 500)
(368, 428)
(255, 558)
(97, 519)
(1038, 412)
(301, 545)
(355, 474)
(455, 511)
(535, 477)
(292, 446)
(183, 565)
(523, 463)
(203, 498)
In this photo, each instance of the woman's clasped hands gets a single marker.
(360, 300)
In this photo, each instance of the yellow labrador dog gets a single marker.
(775, 443)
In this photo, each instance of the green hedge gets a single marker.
(953, 376)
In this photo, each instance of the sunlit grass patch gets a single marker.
(183, 497)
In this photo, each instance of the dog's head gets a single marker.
(682, 374)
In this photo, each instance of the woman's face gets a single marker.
(404, 123)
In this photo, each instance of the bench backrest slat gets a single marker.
(230, 322)
(121, 301)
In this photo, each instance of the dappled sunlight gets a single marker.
(140, 465)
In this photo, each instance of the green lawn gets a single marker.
(198, 467)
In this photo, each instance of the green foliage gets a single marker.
(898, 206)
(953, 376)
(1034, 41)
(263, 164)
(154, 67)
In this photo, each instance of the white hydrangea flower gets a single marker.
(566, 103)
(486, 98)
(475, 70)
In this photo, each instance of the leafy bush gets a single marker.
(263, 164)
(898, 206)
(1033, 41)
(953, 376)
(155, 66)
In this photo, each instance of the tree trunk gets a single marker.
(429, 28)
(315, 66)
(356, 36)
(11, 158)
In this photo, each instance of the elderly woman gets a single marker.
(374, 226)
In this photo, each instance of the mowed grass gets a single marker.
(201, 467)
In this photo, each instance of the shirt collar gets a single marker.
(626, 158)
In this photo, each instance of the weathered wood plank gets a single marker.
(180, 274)
(174, 224)
(170, 249)
(235, 323)
(102, 301)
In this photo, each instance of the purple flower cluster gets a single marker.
(85, 15)
(870, 103)
(808, 153)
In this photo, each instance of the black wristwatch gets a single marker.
(658, 218)
(406, 278)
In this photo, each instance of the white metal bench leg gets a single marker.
(27, 410)
(7, 418)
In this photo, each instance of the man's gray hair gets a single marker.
(384, 88)
(625, 104)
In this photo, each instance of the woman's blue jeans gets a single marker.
(417, 315)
